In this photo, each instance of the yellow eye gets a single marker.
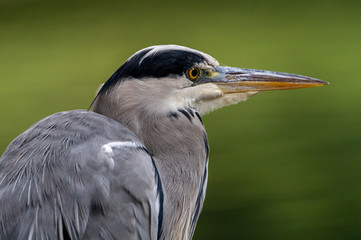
(193, 73)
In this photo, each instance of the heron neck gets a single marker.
(178, 142)
(179, 145)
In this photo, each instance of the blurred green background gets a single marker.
(283, 165)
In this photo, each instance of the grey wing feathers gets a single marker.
(79, 175)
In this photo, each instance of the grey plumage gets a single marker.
(136, 167)
(81, 196)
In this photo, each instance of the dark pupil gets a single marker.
(194, 72)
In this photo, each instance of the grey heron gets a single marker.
(136, 166)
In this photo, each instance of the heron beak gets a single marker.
(236, 80)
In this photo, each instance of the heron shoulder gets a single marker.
(81, 164)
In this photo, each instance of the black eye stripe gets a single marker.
(159, 65)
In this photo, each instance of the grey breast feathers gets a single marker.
(79, 175)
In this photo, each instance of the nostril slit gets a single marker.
(236, 73)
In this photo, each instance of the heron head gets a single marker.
(165, 78)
